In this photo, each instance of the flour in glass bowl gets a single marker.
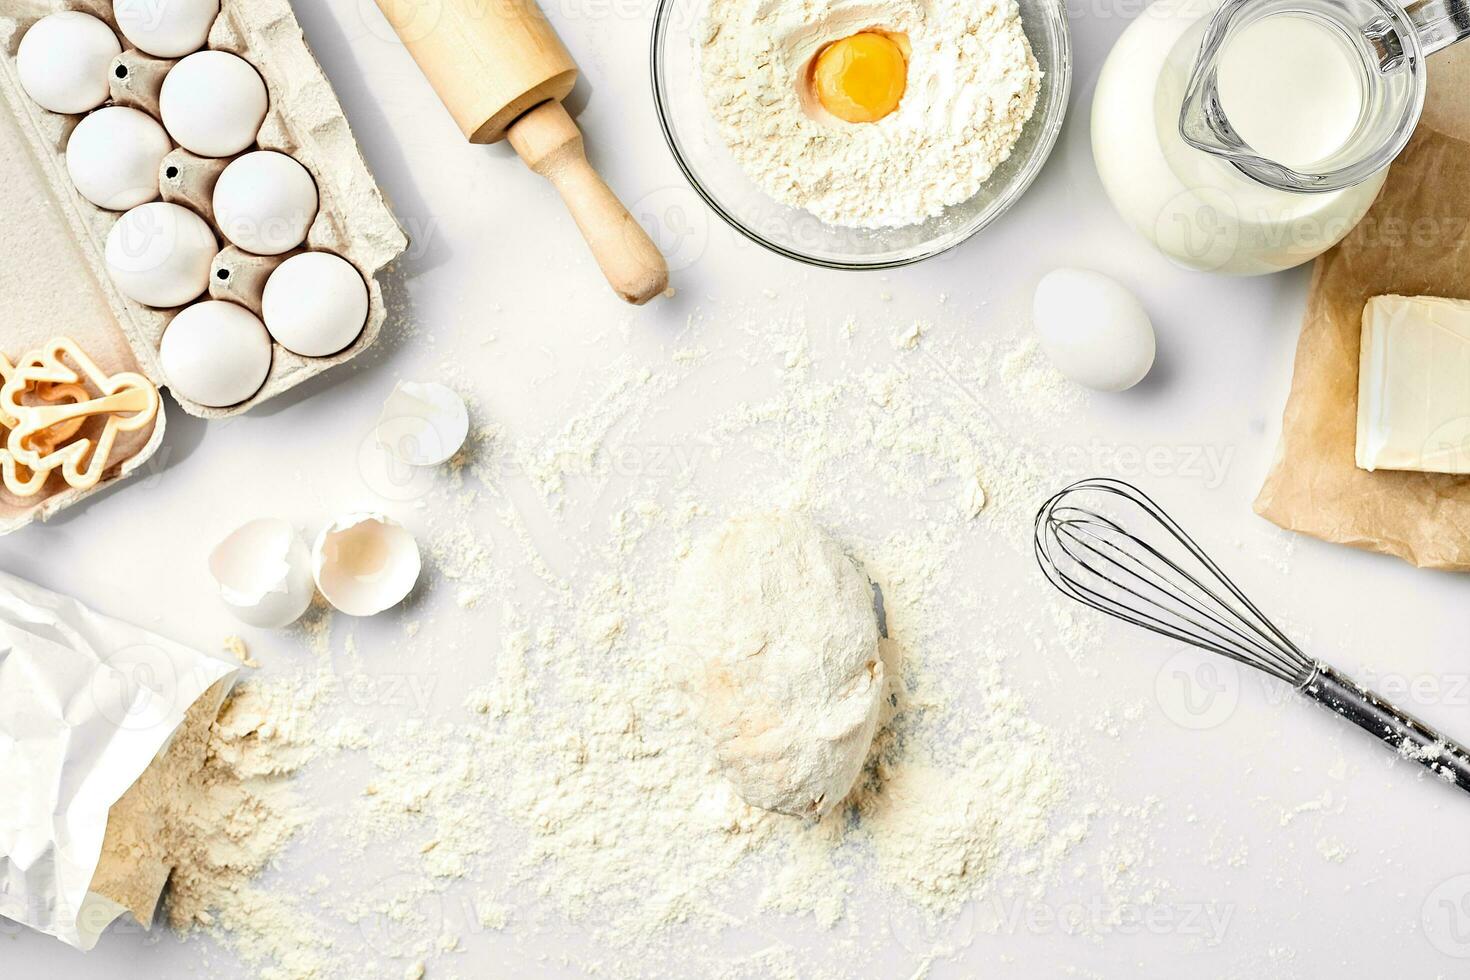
(972, 85)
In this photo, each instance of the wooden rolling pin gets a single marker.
(501, 71)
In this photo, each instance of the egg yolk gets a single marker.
(860, 78)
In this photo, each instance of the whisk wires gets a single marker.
(1172, 588)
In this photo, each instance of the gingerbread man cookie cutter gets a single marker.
(18, 479)
(41, 433)
(14, 475)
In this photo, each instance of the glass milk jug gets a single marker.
(1250, 136)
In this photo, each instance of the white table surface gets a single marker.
(494, 256)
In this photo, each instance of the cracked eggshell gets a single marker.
(423, 423)
(263, 571)
(365, 563)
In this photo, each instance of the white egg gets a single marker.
(1094, 330)
(63, 61)
(365, 563)
(113, 157)
(315, 304)
(263, 570)
(264, 202)
(423, 424)
(158, 254)
(213, 103)
(215, 353)
(165, 28)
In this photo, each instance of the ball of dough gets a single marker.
(265, 202)
(113, 157)
(159, 254)
(778, 629)
(315, 304)
(166, 28)
(213, 103)
(63, 61)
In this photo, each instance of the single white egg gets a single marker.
(113, 157)
(215, 353)
(265, 202)
(63, 61)
(423, 424)
(315, 304)
(159, 254)
(263, 570)
(1094, 330)
(166, 28)
(365, 563)
(213, 103)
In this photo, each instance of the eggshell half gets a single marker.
(263, 570)
(365, 563)
(423, 423)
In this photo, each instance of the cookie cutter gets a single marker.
(14, 474)
(41, 434)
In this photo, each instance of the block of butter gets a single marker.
(1414, 385)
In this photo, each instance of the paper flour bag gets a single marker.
(87, 704)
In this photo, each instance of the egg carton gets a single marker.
(52, 243)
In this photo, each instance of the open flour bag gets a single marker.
(96, 717)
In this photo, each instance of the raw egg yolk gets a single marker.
(860, 78)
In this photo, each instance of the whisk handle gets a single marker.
(1406, 735)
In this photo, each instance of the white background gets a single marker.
(498, 282)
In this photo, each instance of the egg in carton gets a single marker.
(53, 272)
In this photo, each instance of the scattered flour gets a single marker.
(559, 771)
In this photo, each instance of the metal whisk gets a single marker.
(1107, 545)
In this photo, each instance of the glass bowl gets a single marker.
(701, 153)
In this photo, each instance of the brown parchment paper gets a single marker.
(1414, 241)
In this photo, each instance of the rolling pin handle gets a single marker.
(550, 143)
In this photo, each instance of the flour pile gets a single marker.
(973, 84)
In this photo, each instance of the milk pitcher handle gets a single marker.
(1439, 23)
